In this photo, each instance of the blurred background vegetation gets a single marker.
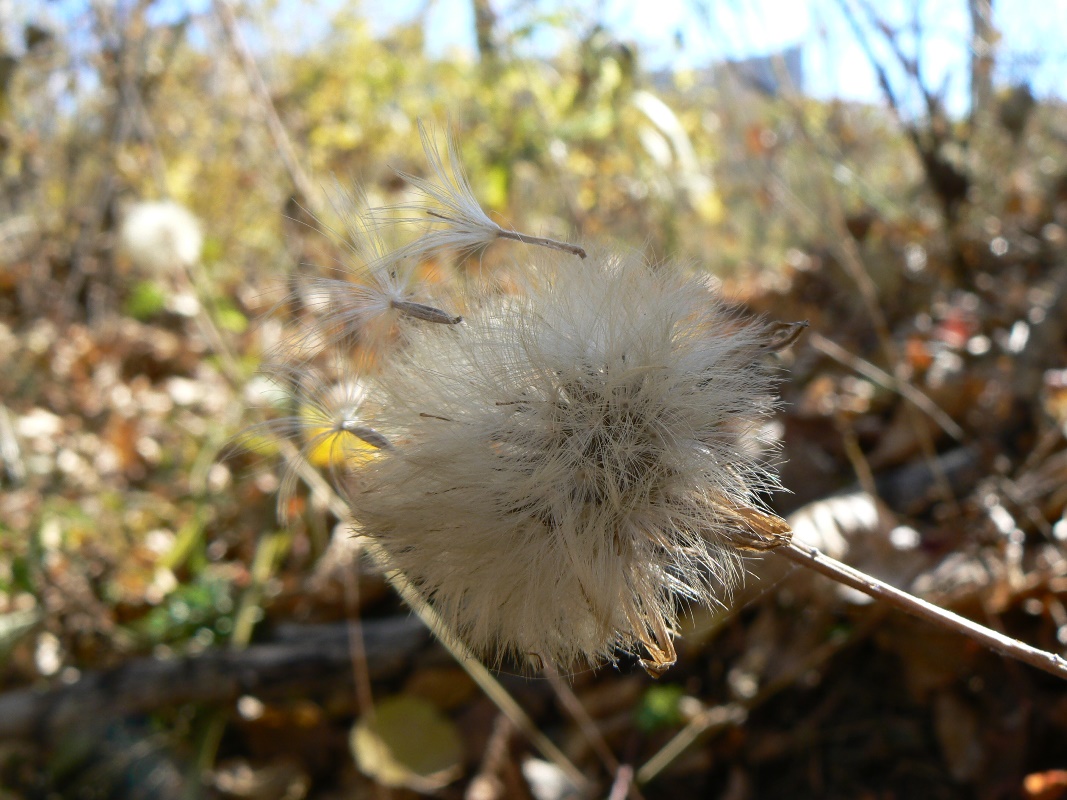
(164, 169)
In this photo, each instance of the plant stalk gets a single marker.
(811, 558)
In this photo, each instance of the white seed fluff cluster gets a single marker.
(560, 473)
(161, 237)
(572, 462)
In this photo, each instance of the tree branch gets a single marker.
(317, 655)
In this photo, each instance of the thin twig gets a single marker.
(485, 680)
(710, 719)
(487, 783)
(577, 712)
(882, 378)
(811, 558)
(357, 646)
(854, 453)
(282, 142)
(720, 717)
(623, 784)
(850, 257)
(315, 654)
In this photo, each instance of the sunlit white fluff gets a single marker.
(371, 294)
(326, 427)
(570, 465)
(447, 202)
(161, 236)
(560, 473)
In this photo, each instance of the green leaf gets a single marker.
(145, 301)
(230, 318)
(659, 708)
(495, 187)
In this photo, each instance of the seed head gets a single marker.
(563, 470)
(161, 237)
(575, 462)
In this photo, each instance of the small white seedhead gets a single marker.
(161, 237)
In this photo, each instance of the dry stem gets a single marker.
(811, 558)
(282, 142)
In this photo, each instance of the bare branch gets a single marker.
(319, 655)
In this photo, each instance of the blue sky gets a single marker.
(694, 33)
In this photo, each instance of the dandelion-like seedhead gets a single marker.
(567, 469)
(571, 463)
(161, 237)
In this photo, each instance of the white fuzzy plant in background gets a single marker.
(161, 237)
(563, 469)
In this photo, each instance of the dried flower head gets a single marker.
(572, 463)
(559, 475)
(562, 472)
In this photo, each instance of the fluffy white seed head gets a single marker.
(570, 465)
(566, 469)
(161, 237)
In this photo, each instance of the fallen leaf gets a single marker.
(407, 743)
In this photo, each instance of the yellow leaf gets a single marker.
(407, 743)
